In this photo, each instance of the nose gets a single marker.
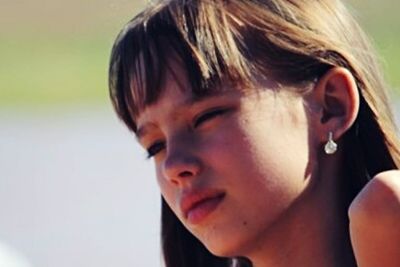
(181, 165)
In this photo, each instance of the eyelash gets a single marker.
(208, 115)
(155, 148)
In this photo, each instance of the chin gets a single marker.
(225, 248)
(222, 252)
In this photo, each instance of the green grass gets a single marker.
(389, 50)
(381, 22)
(54, 58)
(46, 71)
(53, 68)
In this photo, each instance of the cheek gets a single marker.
(282, 139)
(272, 145)
(282, 150)
(267, 156)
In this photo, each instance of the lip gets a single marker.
(197, 204)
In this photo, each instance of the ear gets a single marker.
(336, 96)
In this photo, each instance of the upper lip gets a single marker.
(191, 198)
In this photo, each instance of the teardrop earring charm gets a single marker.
(330, 146)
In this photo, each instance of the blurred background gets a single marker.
(75, 189)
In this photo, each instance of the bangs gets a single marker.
(161, 53)
(145, 50)
(215, 43)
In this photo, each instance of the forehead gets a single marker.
(177, 82)
(177, 93)
(176, 102)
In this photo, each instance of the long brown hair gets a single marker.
(293, 41)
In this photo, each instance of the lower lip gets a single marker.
(202, 210)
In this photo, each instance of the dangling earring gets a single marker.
(330, 146)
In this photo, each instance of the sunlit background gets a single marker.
(75, 189)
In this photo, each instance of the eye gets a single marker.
(208, 115)
(155, 148)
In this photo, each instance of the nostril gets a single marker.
(185, 174)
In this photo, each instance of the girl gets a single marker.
(270, 130)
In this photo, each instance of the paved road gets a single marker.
(75, 190)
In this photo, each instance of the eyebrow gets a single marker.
(190, 101)
(140, 132)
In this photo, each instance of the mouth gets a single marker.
(197, 206)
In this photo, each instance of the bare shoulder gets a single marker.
(379, 198)
(375, 221)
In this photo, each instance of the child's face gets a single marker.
(250, 150)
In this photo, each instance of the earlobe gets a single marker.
(337, 95)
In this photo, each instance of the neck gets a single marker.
(313, 232)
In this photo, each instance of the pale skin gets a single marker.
(375, 221)
(281, 171)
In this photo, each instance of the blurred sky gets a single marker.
(75, 189)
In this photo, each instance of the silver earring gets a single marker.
(330, 146)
